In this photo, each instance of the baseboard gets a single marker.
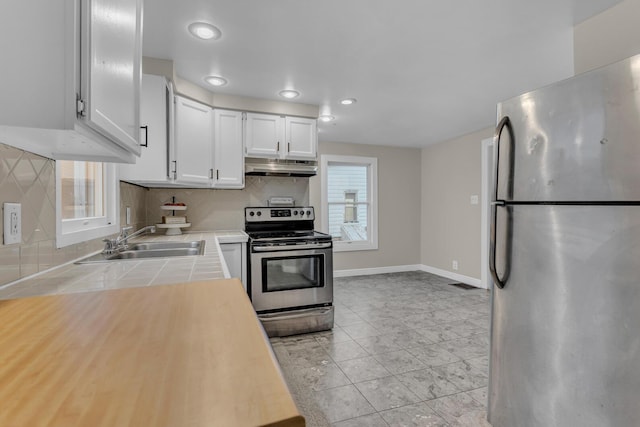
(453, 276)
(376, 270)
(416, 267)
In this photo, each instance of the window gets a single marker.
(350, 207)
(87, 198)
(349, 201)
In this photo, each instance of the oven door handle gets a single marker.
(291, 247)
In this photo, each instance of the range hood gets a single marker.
(273, 167)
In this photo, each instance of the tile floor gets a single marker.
(407, 349)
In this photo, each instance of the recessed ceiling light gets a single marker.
(215, 80)
(289, 93)
(205, 31)
(326, 118)
(348, 101)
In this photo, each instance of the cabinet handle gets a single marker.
(210, 173)
(146, 136)
(175, 169)
(288, 147)
(278, 146)
(217, 174)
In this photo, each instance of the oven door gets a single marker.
(283, 278)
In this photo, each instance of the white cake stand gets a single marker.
(173, 229)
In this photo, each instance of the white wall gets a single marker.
(398, 206)
(608, 37)
(450, 226)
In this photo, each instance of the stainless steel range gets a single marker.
(290, 274)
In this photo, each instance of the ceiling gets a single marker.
(422, 71)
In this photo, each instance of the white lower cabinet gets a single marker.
(235, 256)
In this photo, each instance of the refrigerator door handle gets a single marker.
(505, 122)
(500, 281)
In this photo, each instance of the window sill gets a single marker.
(80, 236)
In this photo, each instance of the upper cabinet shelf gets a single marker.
(71, 78)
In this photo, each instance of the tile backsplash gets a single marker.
(210, 210)
(29, 179)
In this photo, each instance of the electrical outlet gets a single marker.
(454, 264)
(12, 223)
(474, 199)
(128, 215)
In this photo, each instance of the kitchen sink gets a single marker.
(144, 246)
(146, 250)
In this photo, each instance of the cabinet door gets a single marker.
(235, 257)
(111, 58)
(228, 158)
(264, 135)
(194, 142)
(153, 164)
(46, 68)
(302, 138)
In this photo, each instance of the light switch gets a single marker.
(12, 223)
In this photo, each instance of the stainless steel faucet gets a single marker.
(120, 242)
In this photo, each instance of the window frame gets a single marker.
(371, 197)
(69, 232)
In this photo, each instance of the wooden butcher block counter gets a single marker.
(190, 354)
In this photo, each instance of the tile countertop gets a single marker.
(73, 278)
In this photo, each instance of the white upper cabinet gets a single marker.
(194, 142)
(228, 157)
(71, 78)
(302, 138)
(279, 137)
(264, 135)
(154, 166)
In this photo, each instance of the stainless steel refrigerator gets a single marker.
(565, 254)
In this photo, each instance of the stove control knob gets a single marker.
(295, 212)
(259, 213)
(252, 213)
(308, 212)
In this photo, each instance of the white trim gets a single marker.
(112, 200)
(372, 198)
(376, 270)
(404, 268)
(453, 276)
(487, 186)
